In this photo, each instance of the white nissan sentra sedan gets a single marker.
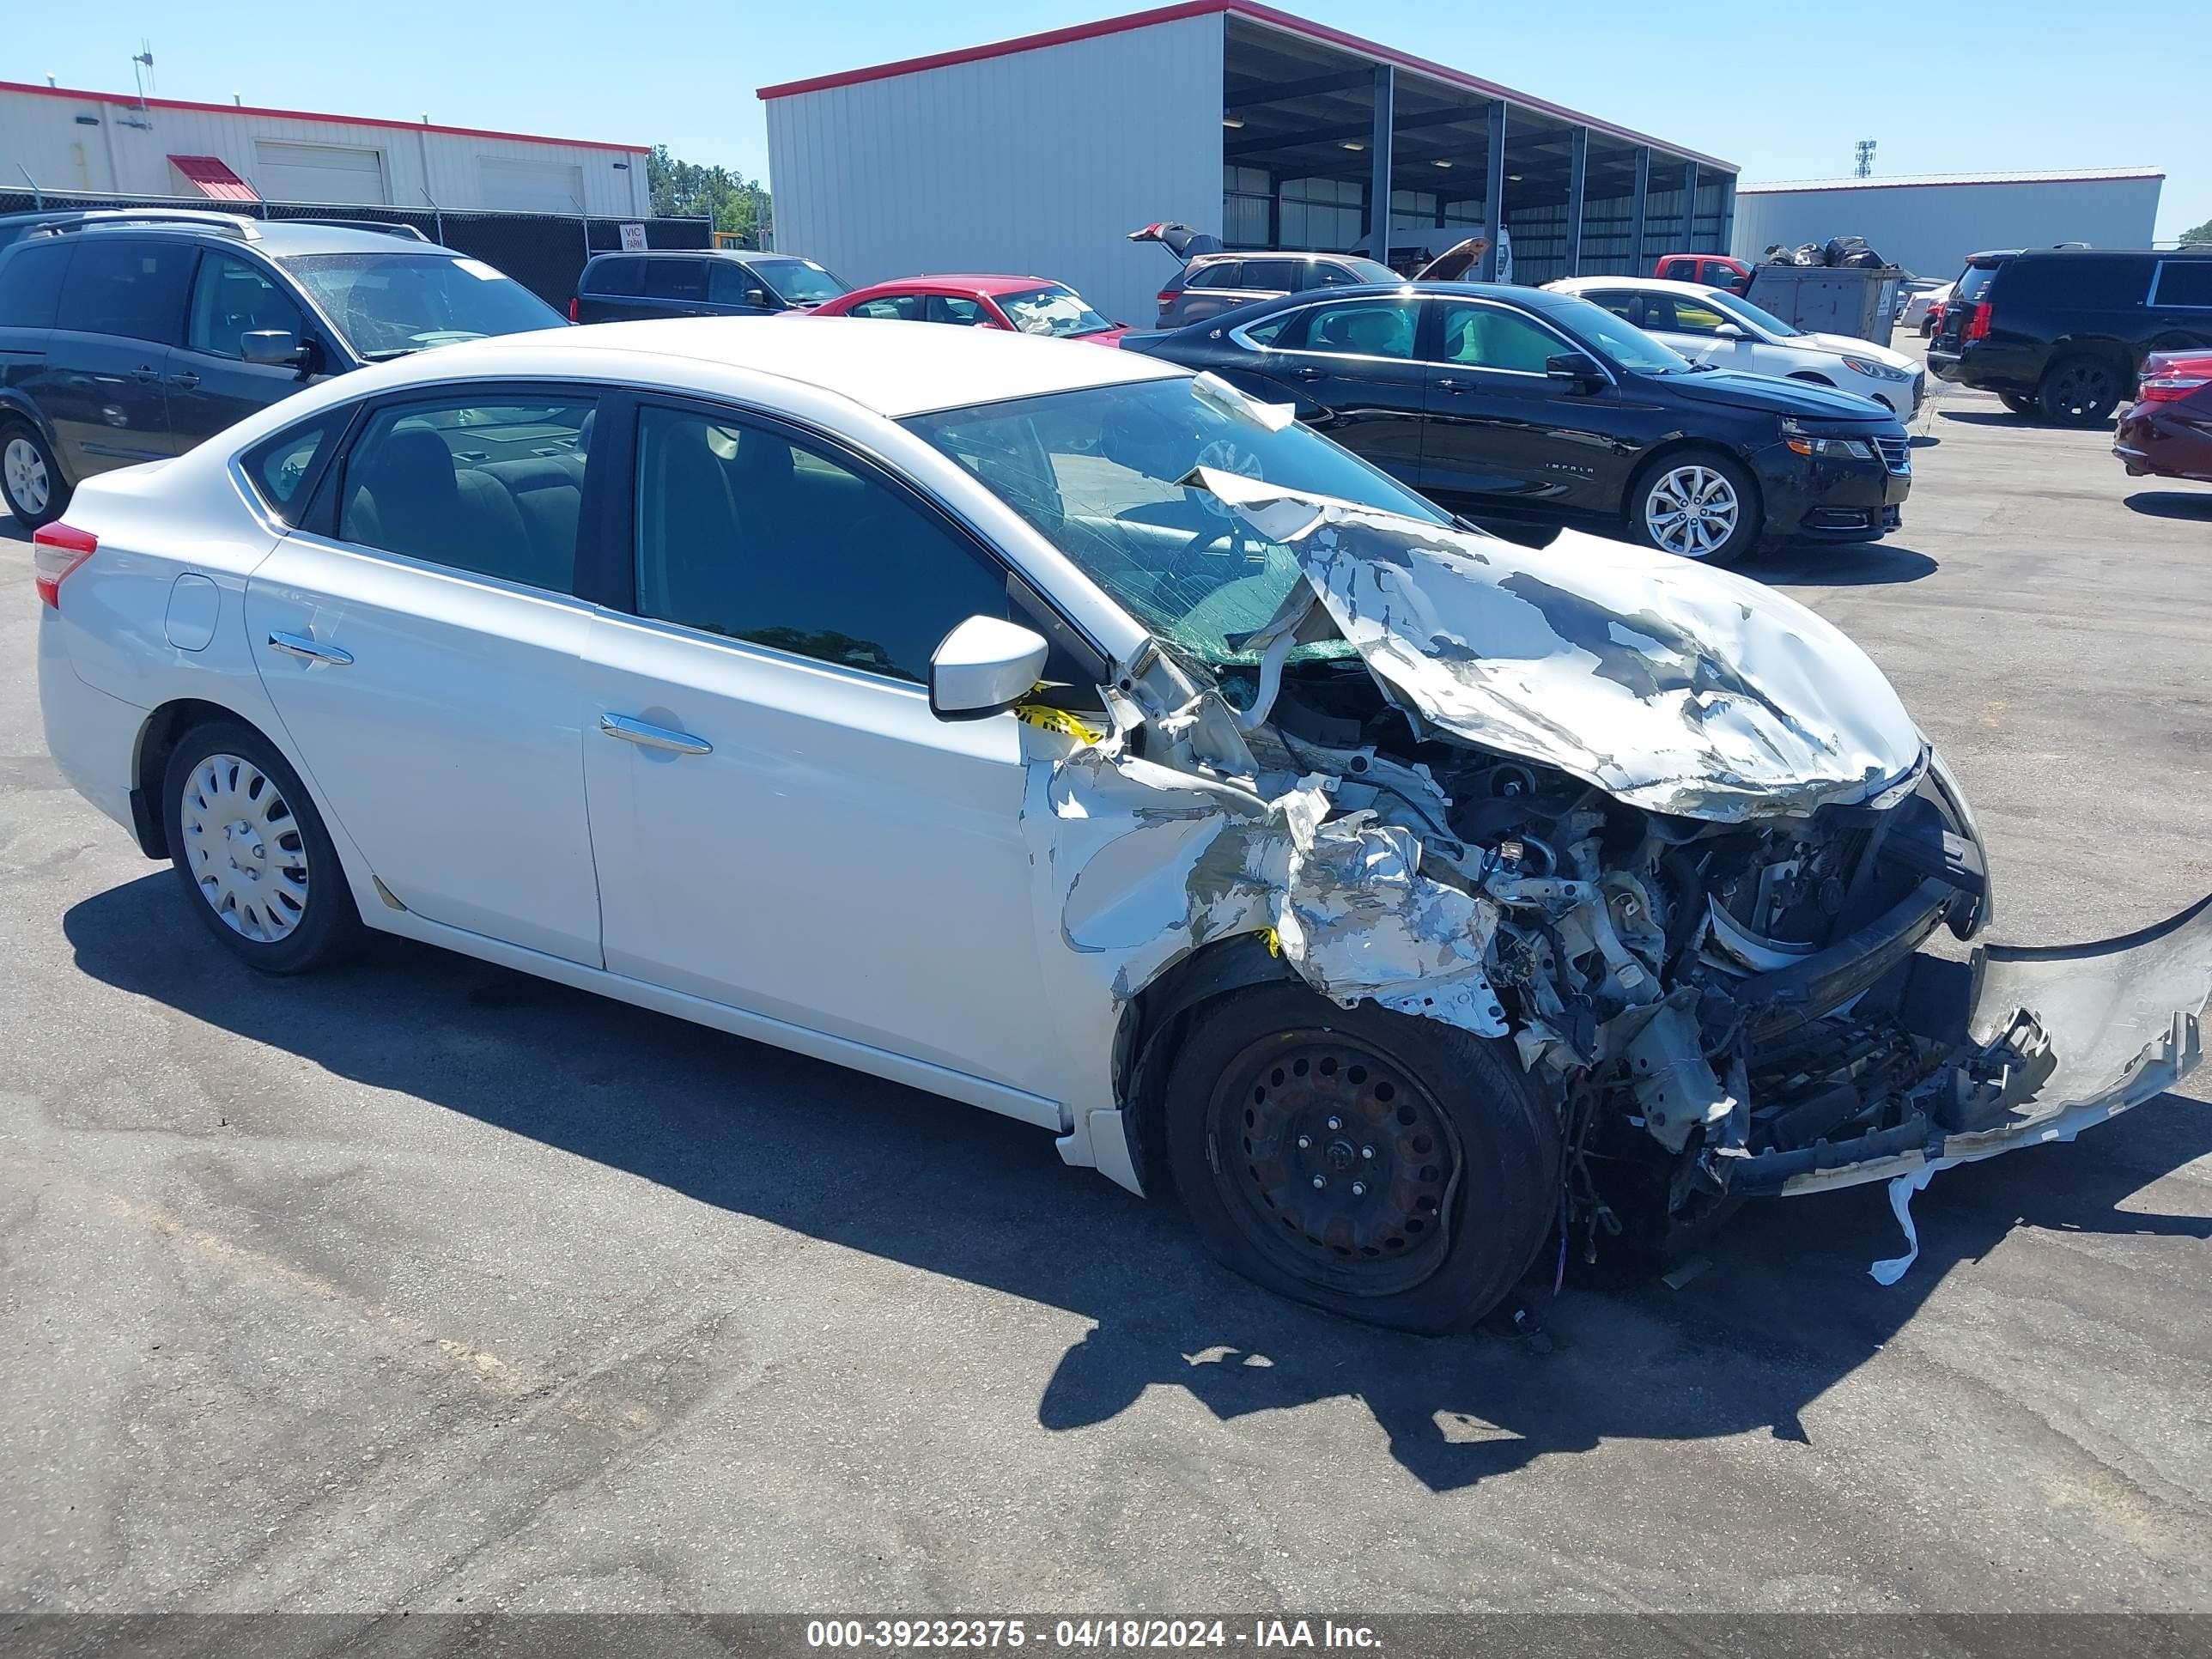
(1051, 729)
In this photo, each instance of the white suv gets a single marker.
(1712, 325)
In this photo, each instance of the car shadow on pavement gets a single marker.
(2172, 504)
(1784, 1311)
(1865, 564)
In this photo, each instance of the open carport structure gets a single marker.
(1037, 154)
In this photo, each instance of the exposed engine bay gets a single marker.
(1668, 833)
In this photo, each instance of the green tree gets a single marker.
(2202, 234)
(687, 189)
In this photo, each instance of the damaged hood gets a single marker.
(1671, 686)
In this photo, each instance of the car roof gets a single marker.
(894, 368)
(1639, 284)
(276, 238)
(967, 281)
(1272, 253)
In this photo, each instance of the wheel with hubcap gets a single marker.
(1696, 505)
(2079, 390)
(29, 479)
(1391, 1169)
(253, 852)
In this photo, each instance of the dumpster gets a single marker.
(1854, 300)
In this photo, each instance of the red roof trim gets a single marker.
(215, 180)
(1251, 11)
(129, 101)
(1944, 184)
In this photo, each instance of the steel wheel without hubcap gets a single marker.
(1692, 510)
(25, 471)
(1333, 1163)
(243, 848)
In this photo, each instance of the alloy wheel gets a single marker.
(1692, 511)
(25, 471)
(2080, 390)
(243, 848)
(1335, 1162)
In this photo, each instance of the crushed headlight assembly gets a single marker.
(1878, 371)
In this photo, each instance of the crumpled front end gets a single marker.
(1668, 833)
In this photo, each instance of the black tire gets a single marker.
(274, 924)
(2079, 390)
(2025, 407)
(35, 448)
(1749, 526)
(1457, 1153)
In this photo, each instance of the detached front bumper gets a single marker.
(2056, 1040)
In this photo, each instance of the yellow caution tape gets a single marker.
(1049, 718)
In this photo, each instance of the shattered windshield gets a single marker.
(1098, 472)
(1053, 311)
(387, 305)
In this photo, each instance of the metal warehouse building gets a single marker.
(1039, 155)
(1930, 222)
(67, 142)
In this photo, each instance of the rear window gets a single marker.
(1222, 273)
(2186, 283)
(31, 283)
(1974, 282)
(133, 289)
(2087, 281)
(619, 276)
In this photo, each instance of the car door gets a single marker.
(209, 383)
(1499, 427)
(783, 827)
(610, 289)
(1351, 366)
(2180, 306)
(420, 638)
(122, 309)
(674, 288)
(733, 290)
(1693, 328)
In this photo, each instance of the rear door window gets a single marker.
(891, 307)
(1275, 276)
(1358, 328)
(491, 487)
(675, 279)
(2182, 283)
(1222, 273)
(129, 288)
(31, 283)
(620, 277)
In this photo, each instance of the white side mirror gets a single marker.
(984, 667)
(1728, 331)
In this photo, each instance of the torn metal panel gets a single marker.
(1150, 863)
(1671, 686)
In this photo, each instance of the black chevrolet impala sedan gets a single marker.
(1515, 403)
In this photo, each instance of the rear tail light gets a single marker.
(572, 308)
(2172, 385)
(1165, 296)
(57, 549)
(1977, 326)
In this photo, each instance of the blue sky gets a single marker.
(2037, 84)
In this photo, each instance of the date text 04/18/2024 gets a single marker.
(1276, 1635)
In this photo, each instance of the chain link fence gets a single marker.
(544, 251)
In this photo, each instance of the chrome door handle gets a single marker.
(187, 379)
(654, 737)
(1449, 384)
(298, 645)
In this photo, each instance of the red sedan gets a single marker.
(2168, 431)
(1022, 305)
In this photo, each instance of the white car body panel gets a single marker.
(455, 726)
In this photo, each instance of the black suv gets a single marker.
(2061, 333)
(125, 340)
(617, 288)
